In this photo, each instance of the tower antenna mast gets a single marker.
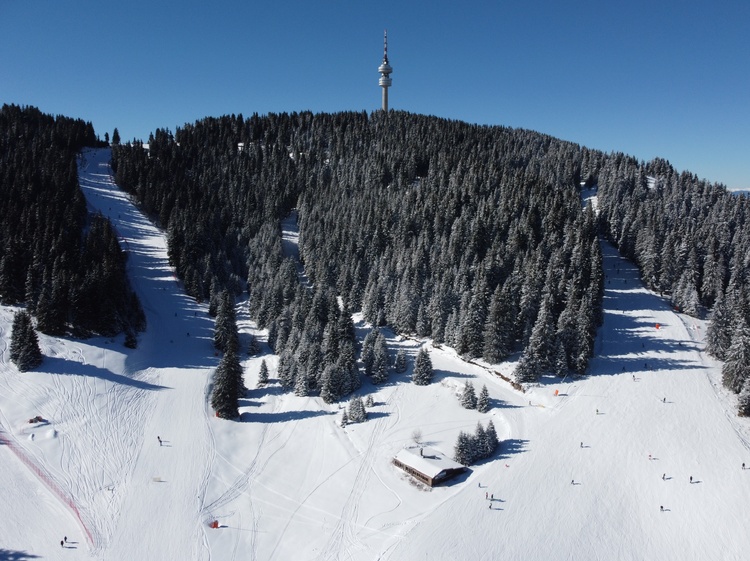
(385, 72)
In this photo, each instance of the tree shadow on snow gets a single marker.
(500, 404)
(510, 447)
(438, 375)
(62, 366)
(249, 416)
(10, 555)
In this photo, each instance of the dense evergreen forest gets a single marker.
(64, 265)
(690, 239)
(474, 236)
(471, 235)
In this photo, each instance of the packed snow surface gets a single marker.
(583, 474)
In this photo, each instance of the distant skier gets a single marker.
(581, 444)
(159, 439)
(691, 479)
(664, 477)
(743, 465)
(492, 497)
(664, 400)
(65, 539)
(661, 508)
(486, 495)
(62, 543)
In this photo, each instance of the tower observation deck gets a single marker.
(385, 72)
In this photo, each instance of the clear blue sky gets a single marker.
(652, 78)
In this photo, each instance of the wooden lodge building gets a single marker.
(427, 465)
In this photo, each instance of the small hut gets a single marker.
(427, 465)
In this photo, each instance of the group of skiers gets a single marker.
(487, 495)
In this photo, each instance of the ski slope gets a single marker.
(572, 479)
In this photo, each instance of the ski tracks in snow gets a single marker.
(344, 538)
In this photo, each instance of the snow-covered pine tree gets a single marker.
(743, 405)
(400, 364)
(560, 364)
(483, 402)
(344, 418)
(332, 382)
(369, 402)
(736, 369)
(422, 375)
(497, 328)
(719, 331)
(368, 346)
(481, 443)
(685, 295)
(526, 371)
(585, 331)
(491, 436)
(24, 344)
(463, 449)
(357, 412)
(21, 319)
(471, 331)
(263, 373)
(541, 342)
(225, 328)
(469, 396)
(380, 360)
(301, 387)
(228, 386)
(287, 369)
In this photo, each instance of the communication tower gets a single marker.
(385, 72)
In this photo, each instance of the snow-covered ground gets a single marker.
(580, 475)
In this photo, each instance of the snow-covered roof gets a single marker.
(430, 463)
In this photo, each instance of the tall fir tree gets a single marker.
(736, 368)
(263, 373)
(423, 373)
(483, 401)
(400, 364)
(225, 328)
(228, 386)
(469, 396)
(357, 412)
(380, 360)
(24, 343)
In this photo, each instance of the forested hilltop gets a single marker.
(474, 236)
(64, 265)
